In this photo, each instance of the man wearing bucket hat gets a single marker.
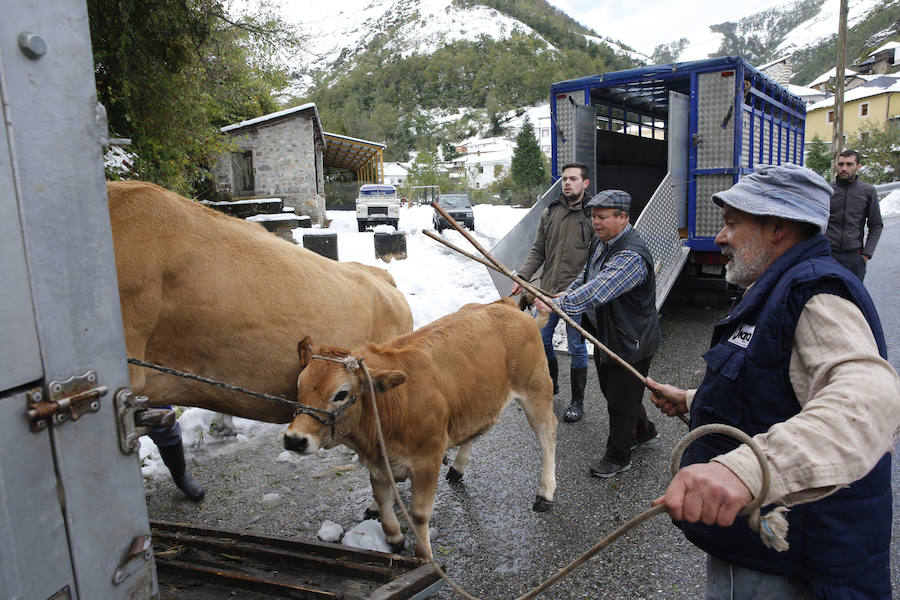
(799, 365)
(616, 290)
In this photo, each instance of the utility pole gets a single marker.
(837, 139)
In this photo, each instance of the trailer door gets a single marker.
(73, 520)
(679, 141)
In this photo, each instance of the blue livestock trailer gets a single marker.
(670, 135)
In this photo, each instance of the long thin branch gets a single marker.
(544, 297)
(452, 246)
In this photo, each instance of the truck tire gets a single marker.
(362, 226)
(395, 223)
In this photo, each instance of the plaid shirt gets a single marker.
(624, 271)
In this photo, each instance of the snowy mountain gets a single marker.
(336, 35)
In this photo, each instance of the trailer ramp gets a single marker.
(199, 563)
(657, 224)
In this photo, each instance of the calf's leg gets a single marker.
(538, 407)
(423, 480)
(463, 453)
(384, 497)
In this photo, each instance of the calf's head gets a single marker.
(333, 382)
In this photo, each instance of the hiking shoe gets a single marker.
(574, 412)
(648, 442)
(603, 468)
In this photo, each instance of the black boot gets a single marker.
(173, 457)
(576, 408)
(554, 373)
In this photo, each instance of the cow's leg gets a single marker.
(384, 498)
(222, 426)
(463, 453)
(539, 412)
(423, 480)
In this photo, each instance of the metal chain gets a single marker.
(298, 408)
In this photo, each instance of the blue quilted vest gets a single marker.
(841, 543)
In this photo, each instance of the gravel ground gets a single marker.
(483, 530)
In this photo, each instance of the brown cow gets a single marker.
(438, 387)
(220, 297)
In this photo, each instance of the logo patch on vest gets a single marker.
(742, 335)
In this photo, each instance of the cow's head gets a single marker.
(333, 382)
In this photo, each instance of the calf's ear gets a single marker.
(304, 351)
(386, 380)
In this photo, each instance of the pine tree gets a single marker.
(818, 157)
(528, 162)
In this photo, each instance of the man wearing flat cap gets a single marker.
(616, 290)
(800, 365)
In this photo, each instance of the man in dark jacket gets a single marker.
(854, 205)
(617, 291)
(561, 246)
(800, 365)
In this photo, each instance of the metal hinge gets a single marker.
(65, 400)
(135, 418)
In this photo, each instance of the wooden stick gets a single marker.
(452, 246)
(544, 297)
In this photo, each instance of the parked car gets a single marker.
(377, 204)
(459, 207)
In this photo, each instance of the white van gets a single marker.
(377, 204)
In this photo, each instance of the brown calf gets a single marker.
(438, 387)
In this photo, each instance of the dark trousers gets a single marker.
(852, 260)
(628, 422)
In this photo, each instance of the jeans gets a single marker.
(852, 261)
(725, 581)
(164, 437)
(576, 343)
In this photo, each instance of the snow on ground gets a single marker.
(890, 205)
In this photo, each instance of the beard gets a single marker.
(573, 196)
(745, 266)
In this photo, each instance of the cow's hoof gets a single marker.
(371, 513)
(541, 504)
(453, 476)
(399, 547)
(219, 430)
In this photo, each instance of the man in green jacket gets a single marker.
(561, 246)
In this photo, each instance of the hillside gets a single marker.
(806, 30)
(418, 73)
(414, 73)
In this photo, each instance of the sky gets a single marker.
(461, 281)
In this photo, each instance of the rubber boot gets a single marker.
(173, 457)
(554, 373)
(576, 408)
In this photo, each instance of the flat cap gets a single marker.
(788, 191)
(617, 199)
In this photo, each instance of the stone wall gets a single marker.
(286, 163)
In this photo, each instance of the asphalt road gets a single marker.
(484, 531)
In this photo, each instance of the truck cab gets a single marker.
(377, 204)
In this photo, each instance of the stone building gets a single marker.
(279, 154)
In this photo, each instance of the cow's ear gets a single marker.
(303, 350)
(386, 380)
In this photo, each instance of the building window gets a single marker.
(864, 109)
(831, 116)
